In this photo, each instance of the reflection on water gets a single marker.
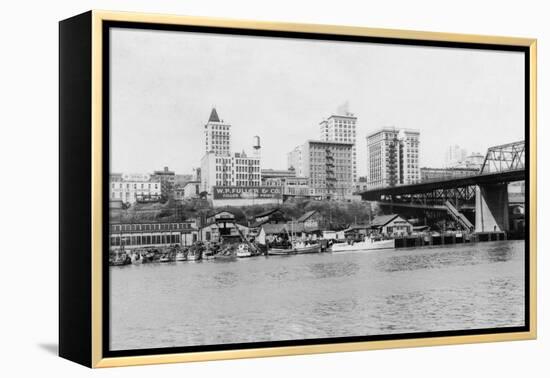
(315, 296)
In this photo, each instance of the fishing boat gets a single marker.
(243, 250)
(366, 245)
(281, 251)
(303, 248)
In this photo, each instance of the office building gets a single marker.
(217, 135)
(328, 165)
(393, 157)
(341, 127)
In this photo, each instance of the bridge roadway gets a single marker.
(460, 182)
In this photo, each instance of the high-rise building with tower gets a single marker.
(341, 127)
(220, 166)
(217, 135)
(393, 157)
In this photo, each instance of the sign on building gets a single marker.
(247, 192)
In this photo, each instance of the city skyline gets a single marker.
(278, 89)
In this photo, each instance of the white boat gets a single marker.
(180, 256)
(366, 245)
(243, 251)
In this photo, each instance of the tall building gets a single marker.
(454, 155)
(221, 167)
(217, 135)
(328, 166)
(341, 127)
(393, 157)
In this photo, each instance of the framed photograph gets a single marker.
(234, 189)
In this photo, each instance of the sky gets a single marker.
(164, 85)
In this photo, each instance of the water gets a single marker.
(320, 295)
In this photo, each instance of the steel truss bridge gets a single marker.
(502, 164)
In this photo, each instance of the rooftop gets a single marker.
(306, 216)
(329, 142)
(393, 129)
(382, 220)
(214, 116)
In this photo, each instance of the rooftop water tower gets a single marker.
(256, 146)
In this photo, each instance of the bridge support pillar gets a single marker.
(492, 208)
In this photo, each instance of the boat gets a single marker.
(180, 256)
(281, 251)
(303, 248)
(194, 256)
(147, 257)
(367, 244)
(243, 250)
(121, 258)
(208, 254)
(136, 258)
(165, 258)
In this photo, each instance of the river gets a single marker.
(453, 287)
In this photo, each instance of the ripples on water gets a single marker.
(316, 296)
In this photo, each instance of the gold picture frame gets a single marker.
(90, 328)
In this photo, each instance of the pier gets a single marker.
(449, 238)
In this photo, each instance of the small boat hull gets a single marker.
(281, 251)
(316, 248)
(364, 246)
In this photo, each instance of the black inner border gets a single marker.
(106, 25)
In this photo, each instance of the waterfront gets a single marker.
(453, 287)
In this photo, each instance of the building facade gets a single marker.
(132, 188)
(167, 179)
(188, 191)
(436, 174)
(152, 234)
(217, 135)
(237, 170)
(341, 128)
(393, 157)
(327, 165)
(292, 185)
(474, 160)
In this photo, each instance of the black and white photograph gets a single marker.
(278, 188)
